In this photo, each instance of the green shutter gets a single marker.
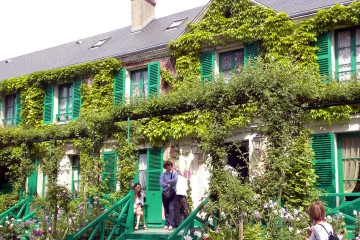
(324, 54)
(153, 189)
(48, 104)
(153, 79)
(251, 50)
(76, 99)
(207, 60)
(324, 163)
(119, 87)
(109, 171)
(18, 109)
(32, 180)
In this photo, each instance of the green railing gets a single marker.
(345, 207)
(189, 223)
(19, 211)
(114, 223)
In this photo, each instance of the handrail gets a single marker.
(189, 222)
(340, 194)
(24, 211)
(99, 222)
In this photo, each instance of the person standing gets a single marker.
(181, 205)
(321, 230)
(168, 181)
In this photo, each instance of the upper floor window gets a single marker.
(10, 109)
(347, 53)
(65, 102)
(229, 62)
(139, 83)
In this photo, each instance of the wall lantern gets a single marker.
(194, 147)
(256, 141)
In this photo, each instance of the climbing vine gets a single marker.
(276, 94)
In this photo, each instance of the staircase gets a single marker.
(154, 233)
(118, 223)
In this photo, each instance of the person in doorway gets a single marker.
(138, 206)
(321, 230)
(168, 181)
(181, 205)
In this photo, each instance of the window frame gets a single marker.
(233, 66)
(68, 115)
(12, 118)
(74, 167)
(141, 84)
(353, 46)
(340, 159)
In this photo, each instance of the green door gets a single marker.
(32, 180)
(153, 189)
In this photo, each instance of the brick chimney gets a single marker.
(142, 12)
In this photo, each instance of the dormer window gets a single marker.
(100, 43)
(175, 24)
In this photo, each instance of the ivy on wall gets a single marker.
(207, 111)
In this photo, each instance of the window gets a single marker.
(139, 83)
(10, 110)
(230, 61)
(65, 102)
(175, 24)
(347, 50)
(349, 161)
(99, 43)
(75, 176)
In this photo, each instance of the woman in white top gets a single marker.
(138, 206)
(321, 230)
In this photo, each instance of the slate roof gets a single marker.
(300, 8)
(122, 42)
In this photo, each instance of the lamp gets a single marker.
(194, 147)
(256, 141)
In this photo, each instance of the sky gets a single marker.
(31, 25)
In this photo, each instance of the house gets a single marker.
(142, 50)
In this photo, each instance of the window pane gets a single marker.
(70, 90)
(225, 62)
(344, 56)
(145, 89)
(75, 174)
(351, 156)
(226, 75)
(145, 76)
(357, 33)
(136, 91)
(239, 58)
(344, 76)
(344, 39)
(136, 78)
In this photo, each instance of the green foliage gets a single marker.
(7, 201)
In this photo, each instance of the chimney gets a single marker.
(142, 12)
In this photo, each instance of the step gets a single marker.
(152, 233)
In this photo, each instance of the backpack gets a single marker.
(331, 236)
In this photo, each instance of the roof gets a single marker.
(300, 8)
(122, 43)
